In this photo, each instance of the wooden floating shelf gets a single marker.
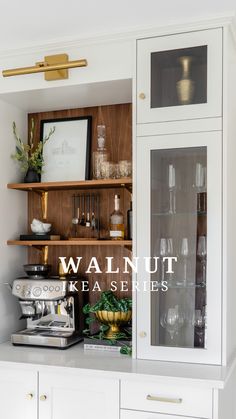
(83, 184)
(123, 243)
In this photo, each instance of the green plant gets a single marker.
(108, 302)
(30, 156)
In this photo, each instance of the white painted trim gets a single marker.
(138, 32)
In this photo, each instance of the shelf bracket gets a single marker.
(44, 203)
(44, 253)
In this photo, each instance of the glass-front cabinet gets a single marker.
(179, 246)
(179, 76)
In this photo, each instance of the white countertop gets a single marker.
(113, 365)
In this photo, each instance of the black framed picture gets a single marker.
(67, 154)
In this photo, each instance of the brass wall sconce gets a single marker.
(55, 67)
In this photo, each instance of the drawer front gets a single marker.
(129, 414)
(165, 398)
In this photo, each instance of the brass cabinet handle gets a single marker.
(29, 396)
(43, 398)
(163, 399)
(142, 96)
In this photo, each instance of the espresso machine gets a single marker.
(53, 311)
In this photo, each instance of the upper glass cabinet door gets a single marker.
(179, 219)
(180, 77)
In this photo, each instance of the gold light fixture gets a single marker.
(55, 67)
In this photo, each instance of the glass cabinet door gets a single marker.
(180, 76)
(183, 220)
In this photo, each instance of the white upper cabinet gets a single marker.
(179, 76)
(179, 215)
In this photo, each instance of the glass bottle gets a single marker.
(130, 220)
(117, 228)
(101, 154)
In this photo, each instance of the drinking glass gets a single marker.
(172, 321)
(172, 191)
(124, 168)
(199, 324)
(170, 252)
(202, 253)
(184, 253)
(163, 253)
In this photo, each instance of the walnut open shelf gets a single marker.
(123, 243)
(70, 185)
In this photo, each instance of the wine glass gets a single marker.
(202, 253)
(163, 253)
(172, 192)
(172, 321)
(170, 252)
(184, 252)
(199, 324)
(199, 178)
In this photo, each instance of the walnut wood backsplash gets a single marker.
(118, 122)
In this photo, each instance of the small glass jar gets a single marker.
(104, 169)
(123, 168)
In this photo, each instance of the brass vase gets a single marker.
(185, 86)
(113, 319)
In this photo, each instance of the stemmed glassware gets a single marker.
(199, 325)
(200, 182)
(172, 189)
(166, 249)
(184, 253)
(202, 255)
(172, 320)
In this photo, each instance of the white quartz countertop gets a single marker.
(108, 364)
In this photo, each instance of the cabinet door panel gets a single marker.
(18, 394)
(129, 414)
(72, 396)
(179, 76)
(179, 214)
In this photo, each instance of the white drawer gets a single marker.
(164, 398)
(129, 414)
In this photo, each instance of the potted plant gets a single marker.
(112, 313)
(30, 156)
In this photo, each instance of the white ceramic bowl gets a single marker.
(41, 228)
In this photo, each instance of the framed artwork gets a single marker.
(67, 154)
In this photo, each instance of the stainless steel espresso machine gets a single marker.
(53, 312)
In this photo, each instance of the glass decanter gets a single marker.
(100, 155)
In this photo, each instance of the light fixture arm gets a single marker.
(57, 65)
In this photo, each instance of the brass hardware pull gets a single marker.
(29, 396)
(142, 334)
(43, 398)
(142, 96)
(163, 399)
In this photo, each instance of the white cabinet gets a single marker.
(18, 393)
(179, 76)
(129, 414)
(179, 214)
(166, 399)
(70, 396)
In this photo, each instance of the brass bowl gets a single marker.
(114, 319)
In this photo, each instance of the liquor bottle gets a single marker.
(100, 155)
(117, 229)
(130, 220)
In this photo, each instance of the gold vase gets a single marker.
(185, 86)
(113, 319)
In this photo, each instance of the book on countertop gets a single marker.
(105, 345)
(36, 237)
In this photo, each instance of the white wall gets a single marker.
(13, 213)
(107, 60)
